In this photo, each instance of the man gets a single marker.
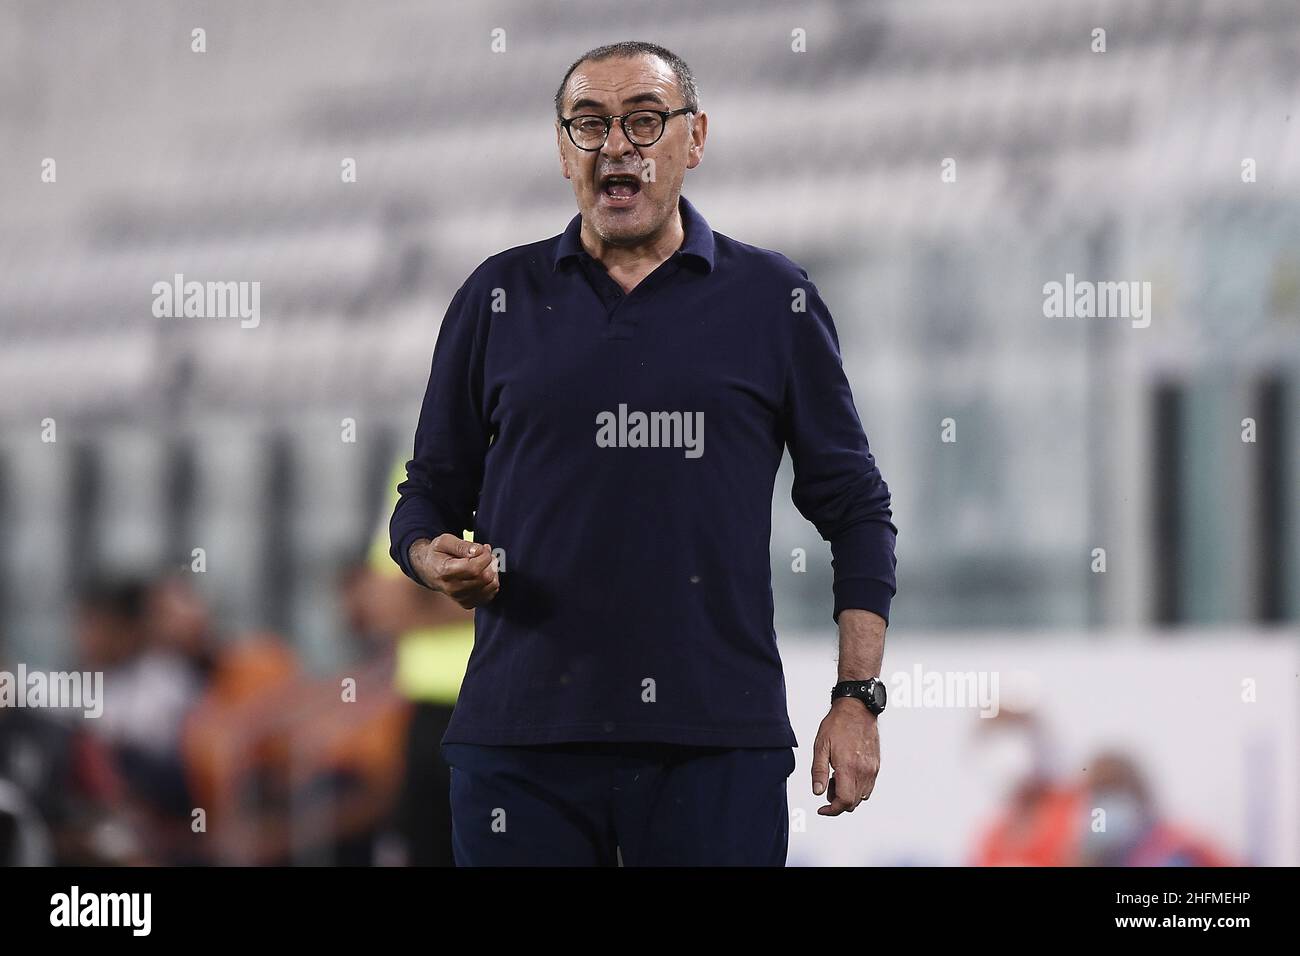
(607, 411)
(1132, 831)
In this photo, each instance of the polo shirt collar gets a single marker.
(698, 243)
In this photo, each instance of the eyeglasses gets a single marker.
(641, 127)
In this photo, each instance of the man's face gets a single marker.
(618, 86)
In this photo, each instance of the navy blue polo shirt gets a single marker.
(621, 451)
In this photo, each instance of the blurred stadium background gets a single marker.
(177, 434)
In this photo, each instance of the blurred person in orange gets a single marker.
(1123, 825)
(230, 763)
(349, 752)
(293, 767)
(1037, 825)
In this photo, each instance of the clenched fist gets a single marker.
(466, 571)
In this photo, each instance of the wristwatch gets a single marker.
(870, 691)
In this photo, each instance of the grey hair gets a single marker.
(630, 48)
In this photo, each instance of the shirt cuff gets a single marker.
(866, 594)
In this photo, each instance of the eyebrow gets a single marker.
(586, 103)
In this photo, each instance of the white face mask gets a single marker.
(1006, 759)
(1125, 820)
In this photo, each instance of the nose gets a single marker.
(616, 143)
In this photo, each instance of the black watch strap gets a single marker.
(870, 691)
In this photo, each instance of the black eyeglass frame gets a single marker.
(664, 116)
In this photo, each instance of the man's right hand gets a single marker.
(465, 571)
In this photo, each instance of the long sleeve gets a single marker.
(837, 485)
(443, 480)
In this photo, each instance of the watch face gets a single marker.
(878, 692)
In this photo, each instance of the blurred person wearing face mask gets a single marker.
(1036, 825)
(1121, 825)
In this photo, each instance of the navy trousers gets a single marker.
(594, 804)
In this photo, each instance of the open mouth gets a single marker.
(620, 189)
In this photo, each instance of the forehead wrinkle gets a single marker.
(581, 86)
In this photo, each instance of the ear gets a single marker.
(559, 145)
(699, 132)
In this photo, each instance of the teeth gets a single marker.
(619, 186)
